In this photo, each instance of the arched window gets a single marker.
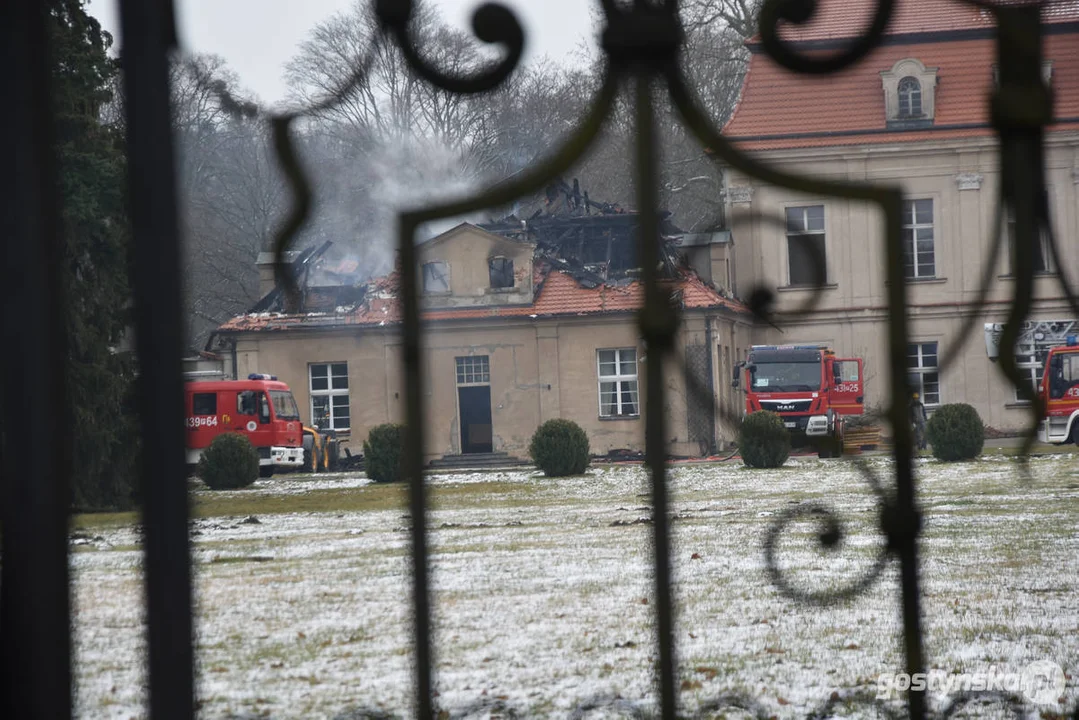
(910, 97)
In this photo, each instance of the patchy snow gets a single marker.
(544, 600)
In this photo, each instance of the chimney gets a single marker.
(264, 263)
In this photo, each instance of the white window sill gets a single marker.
(805, 288)
(1041, 274)
(923, 281)
(619, 417)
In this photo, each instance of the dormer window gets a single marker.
(910, 98)
(501, 271)
(436, 277)
(909, 90)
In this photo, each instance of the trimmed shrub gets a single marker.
(230, 462)
(382, 452)
(763, 440)
(559, 448)
(955, 432)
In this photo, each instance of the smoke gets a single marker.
(360, 194)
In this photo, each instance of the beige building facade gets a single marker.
(499, 361)
(912, 115)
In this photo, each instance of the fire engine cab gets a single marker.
(1059, 389)
(806, 385)
(260, 407)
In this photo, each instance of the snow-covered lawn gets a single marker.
(543, 592)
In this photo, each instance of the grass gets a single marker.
(542, 589)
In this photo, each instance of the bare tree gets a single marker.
(230, 194)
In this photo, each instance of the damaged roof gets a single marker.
(558, 294)
(584, 263)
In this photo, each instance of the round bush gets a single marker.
(230, 462)
(382, 452)
(763, 441)
(559, 448)
(955, 432)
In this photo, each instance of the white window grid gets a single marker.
(919, 252)
(805, 224)
(330, 395)
(618, 390)
(473, 370)
(1042, 264)
(910, 97)
(922, 365)
(1030, 364)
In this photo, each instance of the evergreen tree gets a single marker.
(91, 163)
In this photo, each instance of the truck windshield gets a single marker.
(785, 376)
(284, 405)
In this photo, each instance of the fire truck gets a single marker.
(806, 385)
(261, 408)
(1059, 389)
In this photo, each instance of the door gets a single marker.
(847, 390)
(476, 430)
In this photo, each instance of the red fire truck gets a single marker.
(260, 407)
(806, 385)
(1059, 389)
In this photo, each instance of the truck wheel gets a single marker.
(332, 451)
(1075, 433)
(310, 454)
(265, 471)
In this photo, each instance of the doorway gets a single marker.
(474, 404)
(476, 431)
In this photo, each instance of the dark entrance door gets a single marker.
(476, 431)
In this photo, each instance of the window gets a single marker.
(910, 97)
(284, 405)
(436, 277)
(1043, 253)
(924, 378)
(204, 404)
(805, 245)
(329, 396)
(1029, 362)
(618, 383)
(501, 271)
(918, 253)
(473, 370)
(1063, 374)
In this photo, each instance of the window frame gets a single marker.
(806, 234)
(913, 227)
(491, 272)
(445, 275)
(1047, 266)
(330, 392)
(921, 370)
(910, 96)
(618, 379)
(472, 370)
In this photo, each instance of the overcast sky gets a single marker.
(257, 37)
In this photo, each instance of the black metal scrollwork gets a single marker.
(641, 43)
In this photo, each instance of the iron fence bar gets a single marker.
(657, 327)
(903, 522)
(147, 32)
(35, 643)
(413, 471)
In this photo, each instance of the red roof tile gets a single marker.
(558, 294)
(839, 19)
(781, 109)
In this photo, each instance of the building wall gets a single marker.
(963, 179)
(539, 370)
(465, 250)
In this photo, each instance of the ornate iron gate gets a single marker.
(641, 43)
